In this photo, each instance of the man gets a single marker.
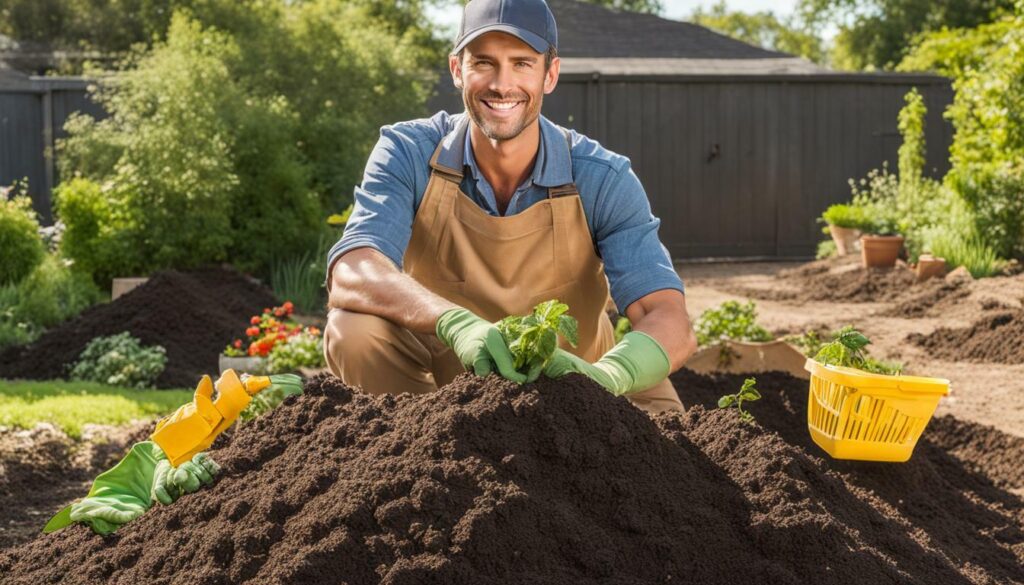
(462, 220)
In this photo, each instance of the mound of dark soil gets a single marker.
(835, 279)
(928, 296)
(995, 338)
(193, 315)
(554, 482)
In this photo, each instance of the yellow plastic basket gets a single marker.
(856, 415)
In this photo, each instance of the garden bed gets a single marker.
(997, 338)
(192, 315)
(554, 482)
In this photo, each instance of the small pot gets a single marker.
(929, 266)
(120, 286)
(242, 365)
(845, 239)
(880, 251)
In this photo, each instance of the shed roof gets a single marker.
(593, 31)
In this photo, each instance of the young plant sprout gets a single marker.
(847, 350)
(533, 338)
(747, 393)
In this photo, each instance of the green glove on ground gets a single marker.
(169, 483)
(636, 363)
(477, 343)
(118, 495)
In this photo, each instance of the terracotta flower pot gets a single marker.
(845, 239)
(880, 251)
(242, 364)
(929, 266)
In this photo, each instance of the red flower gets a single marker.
(255, 320)
(252, 331)
(266, 310)
(238, 344)
(279, 312)
(288, 306)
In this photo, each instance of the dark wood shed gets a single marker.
(740, 149)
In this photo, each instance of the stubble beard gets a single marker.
(500, 130)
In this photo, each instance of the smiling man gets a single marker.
(462, 220)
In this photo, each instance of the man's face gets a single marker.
(503, 83)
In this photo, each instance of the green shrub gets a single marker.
(213, 152)
(120, 360)
(13, 329)
(826, 249)
(55, 292)
(847, 216)
(304, 350)
(968, 251)
(731, 320)
(300, 278)
(19, 238)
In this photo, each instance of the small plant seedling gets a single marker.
(748, 392)
(732, 320)
(847, 350)
(533, 338)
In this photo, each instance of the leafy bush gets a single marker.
(826, 249)
(304, 350)
(969, 251)
(731, 320)
(120, 360)
(19, 238)
(13, 329)
(213, 152)
(847, 216)
(55, 292)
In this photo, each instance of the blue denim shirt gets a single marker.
(614, 202)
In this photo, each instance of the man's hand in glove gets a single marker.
(636, 363)
(477, 343)
(170, 483)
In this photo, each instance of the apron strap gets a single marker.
(569, 189)
(455, 140)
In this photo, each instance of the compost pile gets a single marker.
(930, 297)
(836, 279)
(193, 315)
(553, 482)
(995, 338)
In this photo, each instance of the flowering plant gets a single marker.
(267, 330)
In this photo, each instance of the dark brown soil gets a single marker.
(835, 279)
(193, 315)
(553, 482)
(928, 296)
(995, 338)
(41, 470)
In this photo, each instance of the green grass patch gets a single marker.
(71, 405)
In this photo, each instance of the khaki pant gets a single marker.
(373, 353)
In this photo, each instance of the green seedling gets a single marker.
(533, 338)
(847, 350)
(732, 320)
(747, 393)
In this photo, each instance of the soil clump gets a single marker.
(193, 315)
(997, 338)
(835, 279)
(553, 482)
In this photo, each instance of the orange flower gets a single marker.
(255, 320)
(252, 331)
(238, 344)
(288, 306)
(266, 311)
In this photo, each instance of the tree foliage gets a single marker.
(763, 29)
(231, 138)
(878, 34)
(644, 6)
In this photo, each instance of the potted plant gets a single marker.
(881, 247)
(844, 223)
(266, 331)
(929, 266)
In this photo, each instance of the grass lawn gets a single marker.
(71, 405)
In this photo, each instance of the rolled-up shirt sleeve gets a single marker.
(626, 233)
(384, 206)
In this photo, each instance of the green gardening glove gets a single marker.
(118, 495)
(636, 363)
(169, 483)
(477, 343)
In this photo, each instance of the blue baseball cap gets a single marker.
(529, 20)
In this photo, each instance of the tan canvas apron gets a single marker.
(494, 266)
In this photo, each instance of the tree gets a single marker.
(645, 6)
(763, 29)
(878, 34)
